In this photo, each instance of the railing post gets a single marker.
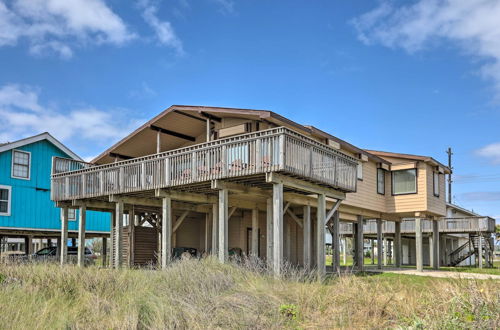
(194, 169)
(83, 190)
(143, 175)
(258, 155)
(101, 182)
(281, 143)
(121, 180)
(223, 159)
(66, 187)
(167, 171)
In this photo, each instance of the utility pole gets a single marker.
(449, 175)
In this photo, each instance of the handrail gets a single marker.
(276, 149)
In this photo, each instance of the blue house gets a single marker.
(26, 211)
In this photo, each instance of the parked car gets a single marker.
(51, 252)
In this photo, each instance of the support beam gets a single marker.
(360, 244)
(180, 220)
(119, 234)
(269, 232)
(186, 196)
(173, 133)
(385, 247)
(294, 217)
(397, 244)
(320, 237)
(64, 235)
(81, 236)
(104, 251)
(215, 229)
(435, 244)
(231, 212)
(480, 252)
(419, 245)
(207, 231)
(307, 236)
(223, 224)
(333, 210)
(131, 237)
(287, 205)
(336, 243)
(166, 232)
(380, 244)
(277, 228)
(255, 232)
(372, 254)
(112, 239)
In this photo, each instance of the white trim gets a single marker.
(70, 218)
(9, 201)
(12, 165)
(40, 137)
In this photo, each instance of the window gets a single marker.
(21, 164)
(404, 182)
(360, 171)
(381, 181)
(72, 214)
(436, 184)
(5, 198)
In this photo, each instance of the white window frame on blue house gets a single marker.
(71, 214)
(9, 200)
(14, 164)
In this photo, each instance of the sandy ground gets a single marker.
(437, 273)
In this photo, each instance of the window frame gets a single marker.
(383, 173)
(434, 174)
(358, 172)
(71, 218)
(407, 193)
(9, 201)
(13, 164)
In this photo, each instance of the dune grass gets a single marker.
(206, 294)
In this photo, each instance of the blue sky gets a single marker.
(403, 76)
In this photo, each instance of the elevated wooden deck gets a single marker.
(446, 225)
(244, 157)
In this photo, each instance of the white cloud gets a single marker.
(60, 25)
(20, 120)
(226, 6)
(164, 31)
(490, 151)
(472, 24)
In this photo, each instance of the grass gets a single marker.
(349, 260)
(206, 294)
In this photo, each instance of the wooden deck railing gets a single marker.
(446, 225)
(278, 149)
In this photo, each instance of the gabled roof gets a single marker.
(426, 159)
(461, 209)
(36, 138)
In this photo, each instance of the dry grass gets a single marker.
(205, 294)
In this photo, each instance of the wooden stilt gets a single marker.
(307, 236)
(119, 234)
(277, 228)
(320, 236)
(269, 232)
(223, 224)
(166, 232)
(255, 232)
(81, 236)
(64, 235)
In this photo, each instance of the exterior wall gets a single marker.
(366, 195)
(31, 207)
(435, 204)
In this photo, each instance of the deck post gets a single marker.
(269, 232)
(380, 244)
(480, 251)
(320, 236)
(385, 247)
(119, 234)
(112, 221)
(360, 244)
(255, 232)
(418, 244)
(81, 236)
(336, 243)
(64, 235)
(397, 244)
(223, 224)
(344, 250)
(435, 245)
(207, 231)
(131, 237)
(166, 232)
(215, 229)
(277, 228)
(372, 251)
(307, 236)
(104, 251)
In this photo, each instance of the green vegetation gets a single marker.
(349, 260)
(206, 294)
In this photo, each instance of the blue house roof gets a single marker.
(25, 205)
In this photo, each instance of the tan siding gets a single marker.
(435, 204)
(366, 195)
(411, 202)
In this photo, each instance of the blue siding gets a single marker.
(31, 206)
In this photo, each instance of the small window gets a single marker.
(360, 171)
(5, 200)
(436, 184)
(381, 181)
(72, 214)
(21, 163)
(404, 182)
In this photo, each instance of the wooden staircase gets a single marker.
(471, 248)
